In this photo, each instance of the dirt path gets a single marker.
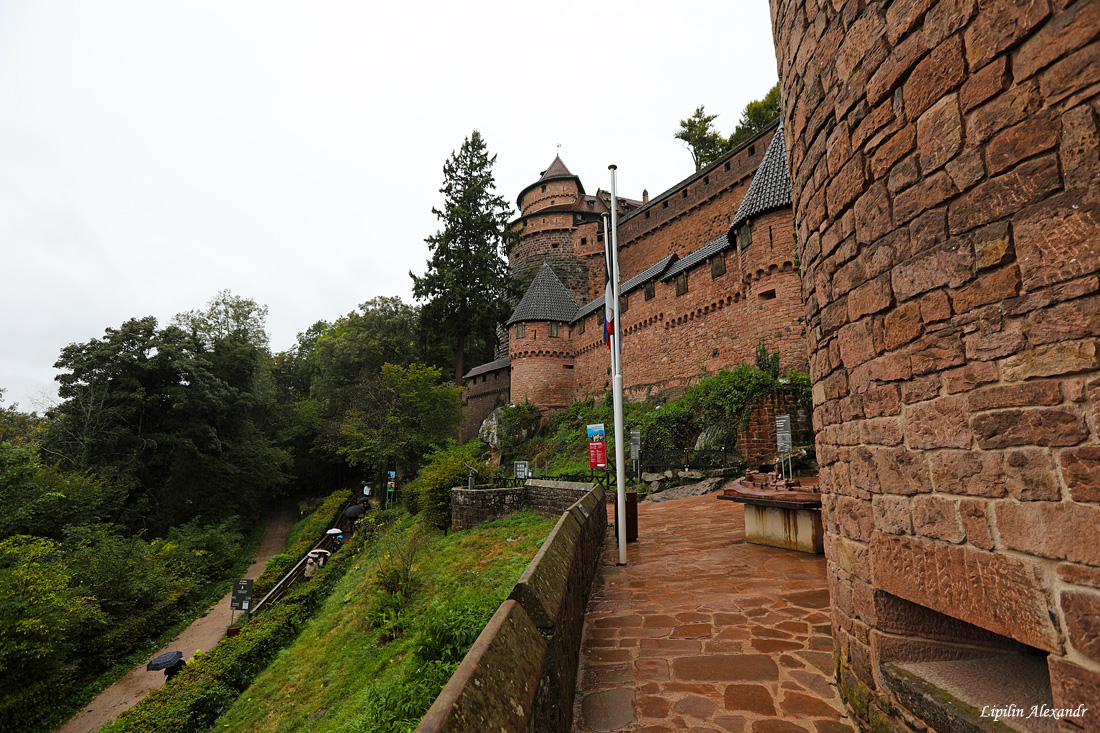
(202, 635)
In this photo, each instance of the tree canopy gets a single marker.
(466, 288)
(707, 145)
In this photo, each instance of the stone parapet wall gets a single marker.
(944, 160)
(470, 507)
(521, 673)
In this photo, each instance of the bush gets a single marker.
(446, 469)
(447, 629)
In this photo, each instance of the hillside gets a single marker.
(380, 648)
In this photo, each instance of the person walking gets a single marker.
(311, 568)
(366, 495)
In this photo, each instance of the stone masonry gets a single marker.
(945, 165)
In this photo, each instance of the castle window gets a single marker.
(682, 283)
(584, 241)
(553, 245)
(727, 165)
(521, 329)
(767, 295)
(544, 189)
(664, 204)
(706, 180)
(599, 317)
(752, 150)
(717, 266)
(684, 193)
(580, 327)
(567, 366)
(599, 237)
(553, 330)
(624, 303)
(744, 235)
(647, 215)
(649, 290)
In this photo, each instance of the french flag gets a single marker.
(608, 306)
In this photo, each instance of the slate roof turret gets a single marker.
(546, 299)
(557, 170)
(771, 184)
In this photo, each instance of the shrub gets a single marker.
(446, 469)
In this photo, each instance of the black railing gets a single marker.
(682, 458)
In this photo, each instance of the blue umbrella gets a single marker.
(164, 661)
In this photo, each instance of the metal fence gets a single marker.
(682, 458)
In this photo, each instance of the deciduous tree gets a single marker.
(701, 139)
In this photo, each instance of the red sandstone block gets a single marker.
(881, 401)
(1076, 319)
(1000, 26)
(1059, 530)
(855, 517)
(936, 517)
(970, 473)
(753, 698)
(903, 15)
(935, 306)
(992, 245)
(1004, 195)
(1051, 360)
(967, 169)
(947, 17)
(872, 212)
(988, 288)
(1081, 472)
(927, 194)
(888, 76)
(966, 378)
(1081, 610)
(843, 189)
(871, 297)
(1047, 426)
(1079, 574)
(980, 86)
(726, 668)
(883, 431)
(901, 471)
(1000, 593)
(902, 176)
(1078, 151)
(1005, 109)
(1026, 394)
(1056, 239)
(936, 352)
(893, 150)
(1035, 134)
(949, 264)
(972, 514)
(892, 514)
(939, 133)
(937, 74)
(987, 347)
(1077, 71)
(917, 390)
(857, 343)
(939, 423)
(1075, 687)
(1065, 32)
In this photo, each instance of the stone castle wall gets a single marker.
(945, 160)
(481, 395)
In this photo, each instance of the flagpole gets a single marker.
(617, 368)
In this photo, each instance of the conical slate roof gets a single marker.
(771, 185)
(557, 169)
(546, 299)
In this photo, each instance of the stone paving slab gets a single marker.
(701, 631)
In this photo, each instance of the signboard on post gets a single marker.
(520, 469)
(242, 595)
(597, 446)
(783, 433)
(635, 444)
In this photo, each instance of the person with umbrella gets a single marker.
(354, 514)
(171, 662)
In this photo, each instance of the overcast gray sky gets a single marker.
(153, 153)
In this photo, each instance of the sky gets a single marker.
(154, 153)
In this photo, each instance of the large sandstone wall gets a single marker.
(944, 160)
(481, 395)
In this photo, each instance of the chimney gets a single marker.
(645, 196)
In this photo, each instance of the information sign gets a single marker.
(635, 444)
(597, 447)
(520, 469)
(783, 433)
(242, 594)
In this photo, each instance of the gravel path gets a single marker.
(202, 635)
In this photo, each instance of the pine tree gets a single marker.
(700, 137)
(466, 288)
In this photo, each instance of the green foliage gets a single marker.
(517, 423)
(466, 288)
(699, 136)
(19, 427)
(445, 469)
(309, 534)
(672, 425)
(756, 116)
(447, 629)
(767, 362)
(397, 415)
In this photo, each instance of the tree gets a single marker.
(756, 116)
(466, 289)
(226, 316)
(700, 137)
(397, 415)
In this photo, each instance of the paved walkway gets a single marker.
(701, 631)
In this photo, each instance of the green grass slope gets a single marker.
(387, 639)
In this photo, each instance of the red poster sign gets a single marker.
(597, 455)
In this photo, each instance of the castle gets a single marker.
(709, 268)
